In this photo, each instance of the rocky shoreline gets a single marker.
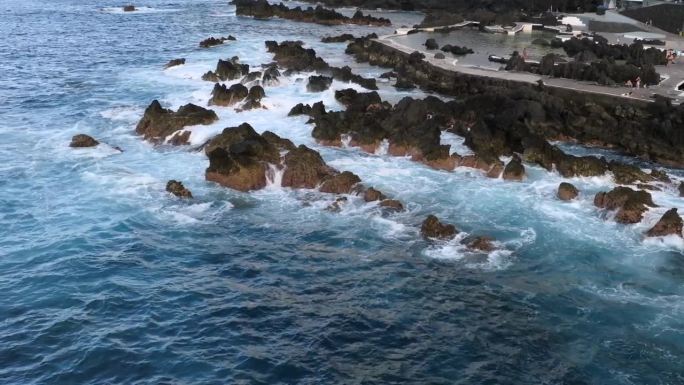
(262, 9)
(642, 129)
(498, 119)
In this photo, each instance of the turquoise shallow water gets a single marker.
(105, 278)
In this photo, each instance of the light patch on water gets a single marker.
(456, 142)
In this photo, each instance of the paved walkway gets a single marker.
(675, 74)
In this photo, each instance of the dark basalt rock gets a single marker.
(630, 204)
(317, 109)
(254, 97)
(174, 63)
(433, 228)
(252, 78)
(291, 55)
(239, 158)
(294, 57)
(669, 224)
(227, 70)
(660, 175)
(176, 188)
(271, 76)
(514, 169)
(262, 9)
(456, 50)
(440, 56)
(213, 41)
(129, 8)
(319, 83)
(681, 189)
(224, 96)
(431, 44)
(305, 168)
(567, 192)
(82, 140)
(157, 123)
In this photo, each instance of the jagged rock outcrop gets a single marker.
(567, 192)
(175, 62)
(254, 97)
(433, 228)
(176, 188)
(83, 140)
(227, 70)
(262, 9)
(157, 123)
(294, 57)
(240, 158)
(669, 224)
(228, 96)
(629, 204)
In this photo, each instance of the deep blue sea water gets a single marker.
(107, 279)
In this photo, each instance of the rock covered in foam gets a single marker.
(669, 224)
(176, 188)
(567, 192)
(83, 140)
(318, 83)
(433, 228)
(629, 204)
(514, 170)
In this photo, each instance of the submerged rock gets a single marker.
(157, 123)
(176, 188)
(338, 39)
(175, 62)
(82, 140)
(392, 204)
(481, 243)
(433, 228)
(129, 8)
(681, 189)
(567, 192)
(670, 223)
(629, 204)
(439, 56)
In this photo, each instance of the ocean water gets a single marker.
(107, 279)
